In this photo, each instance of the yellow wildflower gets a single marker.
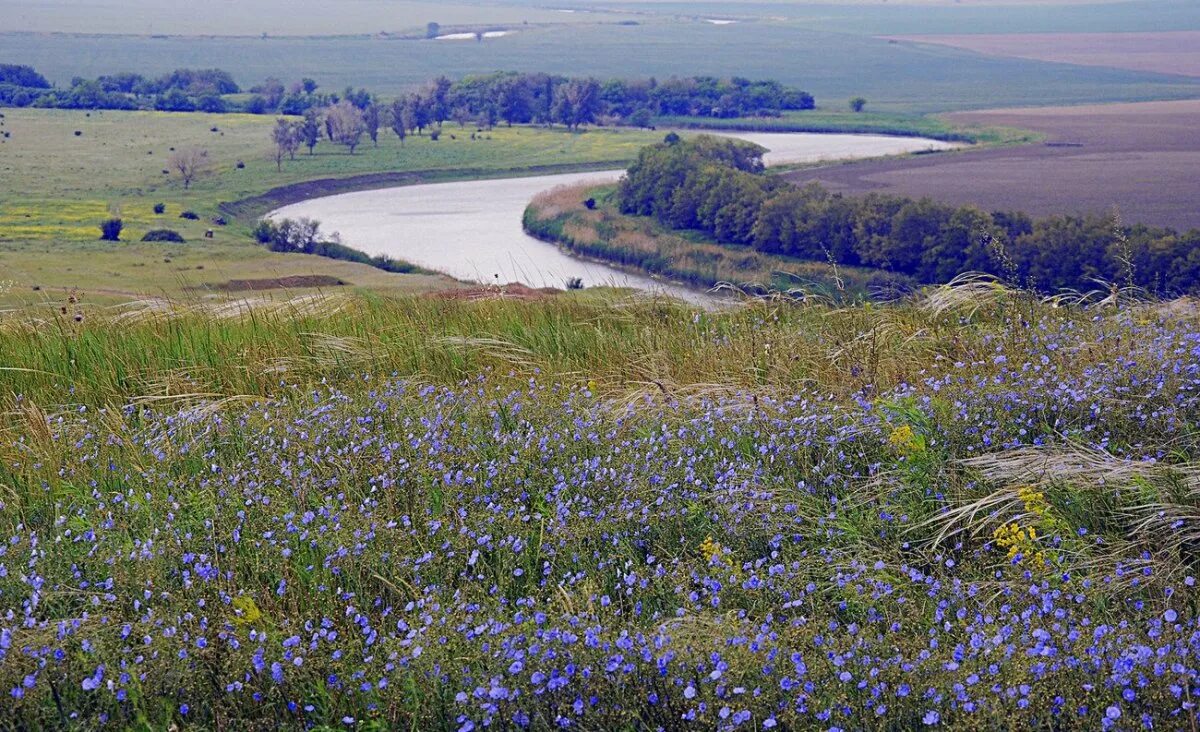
(247, 610)
(710, 550)
(906, 441)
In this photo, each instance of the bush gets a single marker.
(190, 216)
(574, 283)
(265, 232)
(168, 235)
(111, 230)
(160, 208)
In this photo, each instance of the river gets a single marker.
(472, 230)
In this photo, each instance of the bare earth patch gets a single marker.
(293, 282)
(1141, 159)
(1175, 52)
(511, 291)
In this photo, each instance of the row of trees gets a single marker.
(511, 98)
(717, 186)
(522, 98)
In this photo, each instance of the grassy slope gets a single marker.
(55, 188)
(637, 488)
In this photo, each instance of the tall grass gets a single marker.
(970, 509)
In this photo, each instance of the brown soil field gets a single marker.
(511, 291)
(279, 283)
(1174, 52)
(1142, 159)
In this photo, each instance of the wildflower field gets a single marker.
(969, 510)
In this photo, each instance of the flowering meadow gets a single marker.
(969, 510)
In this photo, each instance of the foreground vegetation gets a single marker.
(969, 510)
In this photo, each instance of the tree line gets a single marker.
(508, 97)
(718, 186)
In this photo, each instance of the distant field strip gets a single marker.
(1176, 52)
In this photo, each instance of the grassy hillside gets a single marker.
(56, 187)
(969, 510)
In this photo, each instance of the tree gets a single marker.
(401, 118)
(286, 137)
(433, 30)
(308, 85)
(439, 99)
(419, 106)
(372, 119)
(310, 129)
(857, 104)
(189, 163)
(515, 101)
(272, 91)
(577, 102)
(346, 124)
(641, 118)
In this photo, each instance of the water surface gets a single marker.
(472, 230)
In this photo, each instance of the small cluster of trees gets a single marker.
(717, 186)
(342, 123)
(304, 236)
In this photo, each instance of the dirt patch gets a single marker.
(293, 282)
(511, 291)
(1175, 52)
(1139, 158)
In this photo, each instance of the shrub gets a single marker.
(190, 216)
(265, 232)
(220, 221)
(168, 235)
(111, 230)
(160, 208)
(574, 283)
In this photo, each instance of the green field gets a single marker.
(56, 187)
(834, 66)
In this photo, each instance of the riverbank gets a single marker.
(57, 186)
(472, 230)
(562, 217)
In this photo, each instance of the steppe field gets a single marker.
(1140, 159)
